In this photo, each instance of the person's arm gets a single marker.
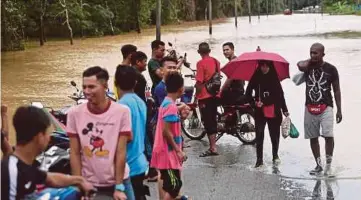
(4, 121)
(153, 66)
(6, 148)
(170, 117)
(120, 158)
(159, 73)
(199, 79)
(337, 93)
(75, 156)
(58, 180)
(167, 134)
(248, 94)
(303, 65)
(180, 63)
(160, 93)
(226, 84)
(75, 147)
(283, 101)
(121, 152)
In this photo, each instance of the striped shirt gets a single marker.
(18, 179)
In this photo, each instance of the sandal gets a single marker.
(209, 153)
(153, 179)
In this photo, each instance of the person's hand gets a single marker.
(181, 106)
(87, 188)
(185, 112)
(182, 156)
(338, 117)
(4, 109)
(286, 114)
(259, 104)
(181, 61)
(118, 195)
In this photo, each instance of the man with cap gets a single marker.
(208, 103)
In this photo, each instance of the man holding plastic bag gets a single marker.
(319, 77)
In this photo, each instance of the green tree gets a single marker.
(12, 17)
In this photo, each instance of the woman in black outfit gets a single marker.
(269, 103)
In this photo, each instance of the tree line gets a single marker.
(22, 20)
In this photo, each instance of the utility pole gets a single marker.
(210, 16)
(267, 7)
(249, 11)
(235, 13)
(259, 10)
(241, 8)
(159, 18)
(322, 8)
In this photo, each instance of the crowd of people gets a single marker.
(108, 149)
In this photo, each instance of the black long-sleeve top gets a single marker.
(268, 89)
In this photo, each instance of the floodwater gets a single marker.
(43, 74)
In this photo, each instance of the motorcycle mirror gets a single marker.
(170, 44)
(187, 64)
(73, 83)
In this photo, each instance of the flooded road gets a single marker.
(43, 74)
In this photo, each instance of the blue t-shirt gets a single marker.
(136, 159)
(160, 92)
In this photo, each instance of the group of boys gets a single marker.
(107, 139)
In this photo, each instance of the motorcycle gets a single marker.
(79, 98)
(55, 158)
(237, 121)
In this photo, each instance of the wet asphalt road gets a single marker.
(231, 176)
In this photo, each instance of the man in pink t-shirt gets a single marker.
(207, 103)
(99, 131)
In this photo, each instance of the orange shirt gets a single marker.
(205, 70)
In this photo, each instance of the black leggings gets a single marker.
(274, 131)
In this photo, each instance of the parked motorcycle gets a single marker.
(79, 98)
(238, 121)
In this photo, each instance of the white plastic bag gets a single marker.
(299, 78)
(286, 126)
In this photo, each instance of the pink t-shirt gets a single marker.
(98, 135)
(164, 156)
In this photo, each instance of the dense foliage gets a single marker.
(25, 19)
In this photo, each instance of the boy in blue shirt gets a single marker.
(125, 80)
(168, 64)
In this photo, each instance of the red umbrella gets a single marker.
(244, 66)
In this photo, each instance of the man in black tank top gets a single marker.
(232, 90)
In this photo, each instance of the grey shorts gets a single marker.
(319, 125)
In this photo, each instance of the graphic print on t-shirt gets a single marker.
(96, 141)
(317, 85)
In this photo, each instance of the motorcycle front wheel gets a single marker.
(246, 129)
(192, 126)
